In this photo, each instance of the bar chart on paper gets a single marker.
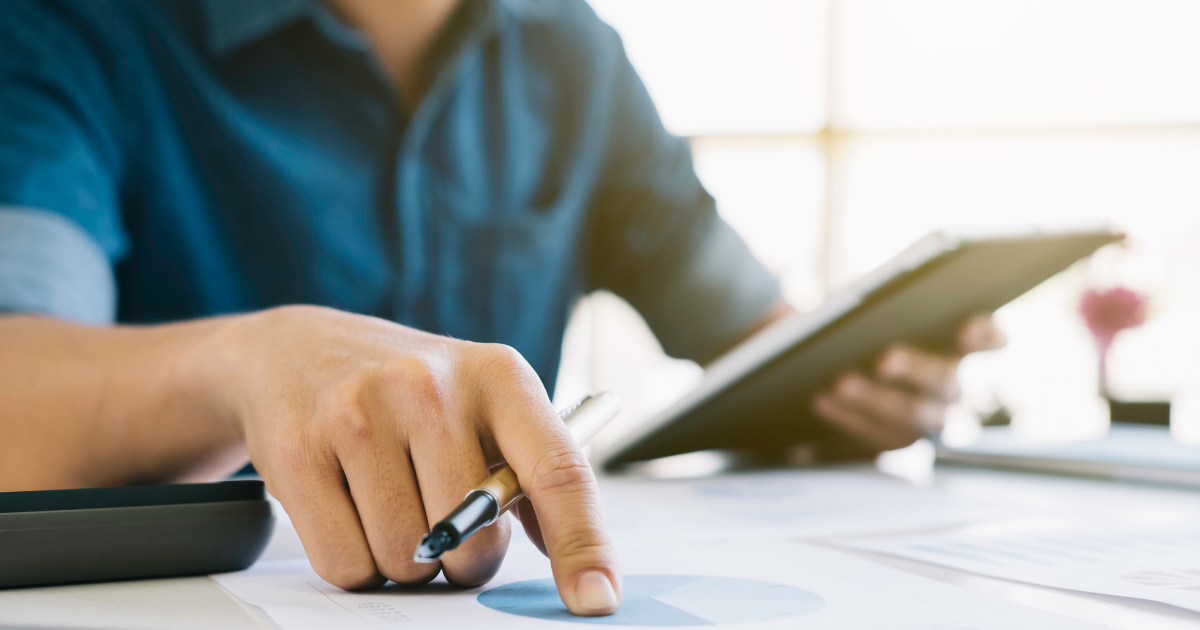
(665, 600)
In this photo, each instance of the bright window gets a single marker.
(833, 133)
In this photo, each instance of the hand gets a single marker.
(906, 396)
(367, 432)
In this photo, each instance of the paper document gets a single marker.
(1159, 563)
(778, 504)
(786, 503)
(188, 603)
(774, 584)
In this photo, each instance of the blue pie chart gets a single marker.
(665, 600)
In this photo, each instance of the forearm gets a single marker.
(83, 406)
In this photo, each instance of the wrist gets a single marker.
(210, 371)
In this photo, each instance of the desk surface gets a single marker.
(962, 494)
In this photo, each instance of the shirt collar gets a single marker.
(233, 24)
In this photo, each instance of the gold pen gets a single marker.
(496, 494)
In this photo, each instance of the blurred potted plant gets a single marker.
(1107, 312)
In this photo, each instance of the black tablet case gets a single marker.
(94, 534)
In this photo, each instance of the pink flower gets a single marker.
(1108, 313)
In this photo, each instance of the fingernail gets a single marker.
(595, 594)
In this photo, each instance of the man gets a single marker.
(428, 172)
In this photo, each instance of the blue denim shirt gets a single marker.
(163, 160)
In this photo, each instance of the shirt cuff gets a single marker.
(49, 265)
(714, 298)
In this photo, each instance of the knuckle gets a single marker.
(561, 470)
(351, 576)
(500, 354)
(339, 412)
(358, 428)
(584, 547)
(503, 364)
(419, 379)
(404, 571)
(351, 424)
(478, 561)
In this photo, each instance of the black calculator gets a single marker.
(98, 534)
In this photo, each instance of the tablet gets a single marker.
(756, 395)
(95, 534)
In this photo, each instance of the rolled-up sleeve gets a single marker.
(49, 265)
(60, 167)
(658, 241)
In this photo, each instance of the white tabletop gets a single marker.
(956, 493)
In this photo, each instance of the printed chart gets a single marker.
(665, 600)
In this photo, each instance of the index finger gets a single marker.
(556, 477)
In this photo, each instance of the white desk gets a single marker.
(199, 602)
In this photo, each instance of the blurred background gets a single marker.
(834, 133)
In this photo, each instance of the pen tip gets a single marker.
(432, 546)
